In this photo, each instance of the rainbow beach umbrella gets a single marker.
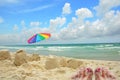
(38, 37)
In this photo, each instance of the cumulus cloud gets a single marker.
(108, 26)
(11, 38)
(76, 28)
(111, 22)
(83, 13)
(57, 23)
(1, 20)
(105, 5)
(66, 9)
(35, 24)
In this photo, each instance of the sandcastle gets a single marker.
(5, 54)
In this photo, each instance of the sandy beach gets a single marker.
(20, 65)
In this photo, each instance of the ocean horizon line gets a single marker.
(59, 44)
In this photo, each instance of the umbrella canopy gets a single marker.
(38, 37)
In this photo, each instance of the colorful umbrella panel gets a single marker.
(39, 37)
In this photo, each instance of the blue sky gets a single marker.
(73, 21)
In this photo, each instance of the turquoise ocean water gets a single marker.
(99, 51)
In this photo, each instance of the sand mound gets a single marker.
(34, 57)
(4, 54)
(72, 63)
(52, 63)
(20, 58)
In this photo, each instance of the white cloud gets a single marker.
(108, 26)
(57, 23)
(105, 5)
(1, 20)
(66, 9)
(35, 24)
(11, 39)
(76, 28)
(111, 21)
(83, 13)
